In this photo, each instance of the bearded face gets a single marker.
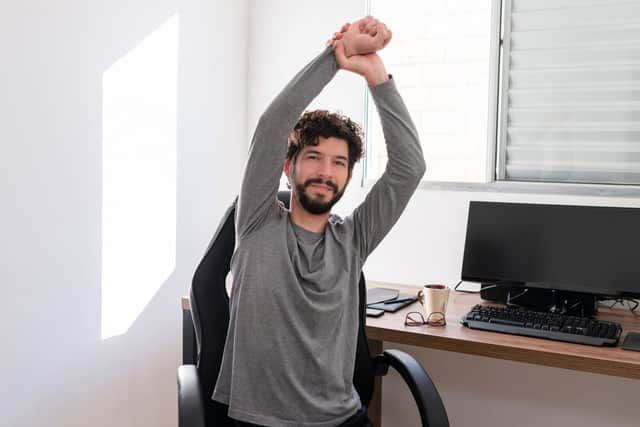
(313, 200)
(319, 174)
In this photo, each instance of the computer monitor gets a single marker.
(586, 249)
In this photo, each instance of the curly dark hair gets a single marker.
(322, 123)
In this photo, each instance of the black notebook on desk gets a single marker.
(377, 295)
(402, 300)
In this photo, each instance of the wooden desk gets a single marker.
(455, 337)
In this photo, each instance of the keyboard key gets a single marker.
(507, 322)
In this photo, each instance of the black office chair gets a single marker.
(210, 313)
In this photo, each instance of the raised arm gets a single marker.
(405, 167)
(389, 196)
(269, 144)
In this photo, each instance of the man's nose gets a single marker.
(326, 168)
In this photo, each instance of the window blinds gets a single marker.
(571, 91)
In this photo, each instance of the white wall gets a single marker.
(54, 368)
(426, 245)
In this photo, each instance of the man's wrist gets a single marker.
(376, 77)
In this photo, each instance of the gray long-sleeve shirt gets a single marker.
(290, 350)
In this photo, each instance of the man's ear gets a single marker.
(286, 168)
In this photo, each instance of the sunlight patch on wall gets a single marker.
(139, 106)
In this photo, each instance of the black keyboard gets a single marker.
(581, 330)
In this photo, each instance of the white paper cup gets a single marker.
(434, 299)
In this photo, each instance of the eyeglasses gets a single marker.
(415, 318)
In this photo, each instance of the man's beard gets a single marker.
(315, 206)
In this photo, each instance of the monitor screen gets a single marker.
(575, 248)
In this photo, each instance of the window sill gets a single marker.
(593, 190)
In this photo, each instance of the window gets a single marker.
(568, 99)
(439, 58)
(572, 96)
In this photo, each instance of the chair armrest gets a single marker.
(190, 407)
(432, 411)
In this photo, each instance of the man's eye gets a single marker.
(313, 157)
(341, 164)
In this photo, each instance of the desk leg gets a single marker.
(375, 406)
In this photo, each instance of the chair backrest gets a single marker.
(210, 313)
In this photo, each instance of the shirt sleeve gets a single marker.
(269, 144)
(389, 196)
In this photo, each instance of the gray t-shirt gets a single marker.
(290, 350)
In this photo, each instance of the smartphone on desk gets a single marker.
(374, 312)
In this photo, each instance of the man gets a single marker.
(290, 350)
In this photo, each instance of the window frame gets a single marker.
(496, 129)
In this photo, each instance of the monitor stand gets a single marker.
(561, 302)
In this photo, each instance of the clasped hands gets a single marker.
(355, 47)
(364, 36)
